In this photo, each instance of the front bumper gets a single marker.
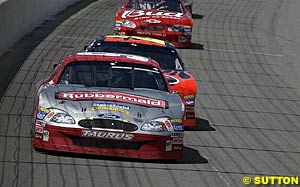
(141, 146)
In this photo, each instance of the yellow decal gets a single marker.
(110, 108)
(176, 120)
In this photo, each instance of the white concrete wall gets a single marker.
(18, 17)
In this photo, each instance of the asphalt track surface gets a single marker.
(245, 58)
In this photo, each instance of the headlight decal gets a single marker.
(62, 118)
(129, 24)
(155, 126)
(176, 28)
(59, 116)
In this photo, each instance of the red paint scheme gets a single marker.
(154, 148)
(187, 89)
(155, 24)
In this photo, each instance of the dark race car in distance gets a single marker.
(108, 104)
(167, 57)
(161, 19)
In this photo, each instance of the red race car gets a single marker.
(161, 19)
(168, 58)
(108, 104)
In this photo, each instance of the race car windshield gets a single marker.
(167, 58)
(169, 5)
(112, 74)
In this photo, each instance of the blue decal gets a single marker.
(177, 127)
(190, 102)
(41, 115)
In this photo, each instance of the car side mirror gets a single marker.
(54, 66)
(85, 47)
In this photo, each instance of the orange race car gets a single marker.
(165, 54)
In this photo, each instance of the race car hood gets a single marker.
(154, 16)
(134, 106)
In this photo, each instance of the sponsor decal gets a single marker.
(108, 116)
(38, 129)
(188, 115)
(143, 33)
(112, 96)
(177, 124)
(50, 115)
(158, 34)
(111, 106)
(190, 109)
(183, 39)
(41, 115)
(168, 145)
(39, 123)
(187, 30)
(139, 13)
(177, 141)
(189, 97)
(152, 21)
(177, 135)
(168, 125)
(177, 147)
(42, 112)
(176, 120)
(43, 109)
(150, 33)
(89, 118)
(108, 135)
(39, 136)
(46, 135)
(190, 100)
(178, 127)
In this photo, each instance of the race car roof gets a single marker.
(135, 39)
